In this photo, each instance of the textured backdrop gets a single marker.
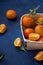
(13, 55)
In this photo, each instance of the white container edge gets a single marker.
(31, 45)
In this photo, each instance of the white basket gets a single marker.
(30, 45)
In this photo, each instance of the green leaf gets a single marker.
(22, 48)
(37, 7)
(34, 11)
(1, 56)
(31, 10)
(39, 23)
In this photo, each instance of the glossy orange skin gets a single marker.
(40, 19)
(34, 36)
(27, 20)
(39, 56)
(39, 30)
(11, 14)
(41, 39)
(27, 31)
(3, 28)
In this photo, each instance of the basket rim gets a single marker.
(25, 40)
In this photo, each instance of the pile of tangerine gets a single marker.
(33, 27)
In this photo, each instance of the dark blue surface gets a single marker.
(15, 56)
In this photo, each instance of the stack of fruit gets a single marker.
(33, 26)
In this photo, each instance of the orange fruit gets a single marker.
(27, 20)
(3, 28)
(34, 36)
(39, 56)
(41, 39)
(27, 31)
(11, 14)
(40, 19)
(18, 42)
(39, 29)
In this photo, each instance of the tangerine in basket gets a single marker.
(27, 31)
(40, 19)
(27, 20)
(34, 36)
(39, 29)
(41, 39)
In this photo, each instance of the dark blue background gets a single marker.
(13, 55)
